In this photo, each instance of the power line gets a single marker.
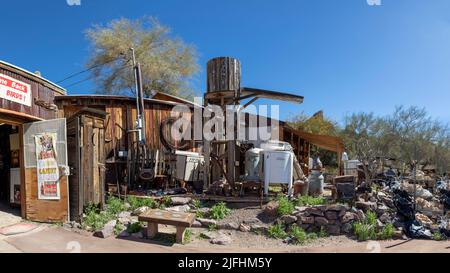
(91, 77)
(89, 69)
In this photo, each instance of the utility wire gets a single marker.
(89, 69)
(91, 77)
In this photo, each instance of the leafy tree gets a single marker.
(167, 63)
(317, 124)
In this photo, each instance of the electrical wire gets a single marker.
(92, 77)
(89, 69)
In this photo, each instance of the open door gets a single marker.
(46, 171)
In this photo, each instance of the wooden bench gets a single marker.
(178, 219)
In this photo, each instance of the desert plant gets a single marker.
(371, 218)
(114, 205)
(387, 232)
(322, 233)
(219, 211)
(438, 236)
(298, 235)
(135, 227)
(212, 227)
(164, 202)
(309, 201)
(196, 203)
(187, 236)
(277, 231)
(136, 202)
(285, 206)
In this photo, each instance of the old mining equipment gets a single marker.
(222, 156)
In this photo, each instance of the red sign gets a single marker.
(14, 90)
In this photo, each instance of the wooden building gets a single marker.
(27, 113)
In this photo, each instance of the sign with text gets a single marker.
(14, 90)
(47, 166)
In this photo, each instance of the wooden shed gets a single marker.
(33, 146)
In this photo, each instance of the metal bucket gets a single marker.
(316, 183)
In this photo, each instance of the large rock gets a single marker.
(289, 219)
(385, 218)
(361, 215)
(209, 235)
(314, 211)
(366, 206)
(321, 221)
(107, 230)
(424, 220)
(349, 217)
(222, 239)
(140, 210)
(182, 208)
(271, 209)
(381, 209)
(196, 224)
(306, 220)
(338, 207)
(124, 214)
(331, 215)
(258, 228)
(228, 225)
(207, 222)
(347, 228)
(333, 229)
(179, 201)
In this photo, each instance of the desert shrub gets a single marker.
(298, 235)
(309, 201)
(135, 227)
(212, 227)
(361, 230)
(219, 211)
(114, 205)
(187, 236)
(277, 231)
(438, 236)
(285, 206)
(196, 203)
(199, 214)
(387, 232)
(371, 218)
(136, 202)
(165, 201)
(95, 219)
(322, 233)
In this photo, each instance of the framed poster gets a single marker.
(47, 166)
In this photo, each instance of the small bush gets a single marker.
(165, 201)
(312, 236)
(135, 227)
(219, 211)
(298, 235)
(285, 206)
(371, 218)
(196, 203)
(136, 202)
(361, 231)
(309, 201)
(94, 219)
(387, 233)
(438, 236)
(277, 231)
(322, 233)
(118, 228)
(187, 236)
(114, 205)
(199, 214)
(212, 228)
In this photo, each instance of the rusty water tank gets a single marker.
(223, 74)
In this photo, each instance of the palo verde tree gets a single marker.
(167, 63)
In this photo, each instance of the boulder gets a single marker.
(381, 209)
(361, 215)
(366, 206)
(124, 233)
(222, 239)
(124, 214)
(333, 229)
(209, 235)
(289, 219)
(271, 209)
(251, 221)
(424, 220)
(338, 207)
(315, 211)
(349, 217)
(179, 201)
(347, 228)
(182, 208)
(137, 235)
(140, 210)
(207, 222)
(258, 228)
(306, 220)
(385, 218)
(228, 225)
(331, 215)
(107, 230)
(320, 221)
(196, 224)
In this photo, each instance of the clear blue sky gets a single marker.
(342, 55)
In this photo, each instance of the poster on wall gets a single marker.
(47, 167)
(14, 90)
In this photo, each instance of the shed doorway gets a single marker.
(10, 174)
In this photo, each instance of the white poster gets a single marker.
(47, 167)
(14, 90)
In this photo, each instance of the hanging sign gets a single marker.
(47, 166)
(14, 90)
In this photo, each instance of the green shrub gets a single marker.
(309, 201)
(285, 206)
(312, 236)
(219, 211)
(187, 236)
(387, 233)
(94, 219)
(322, 233)
(361, 231)
(199, 214)
(165, 201)
(371, 218)
(136, 202)
(212, 228)
(277, 231)
(118, 228)
(196, 203)
(438, 236)
(114, 205)
(135, 227)
(298, 235)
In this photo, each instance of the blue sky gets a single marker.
(343, 55)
